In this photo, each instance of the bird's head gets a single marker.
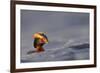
(39, 35)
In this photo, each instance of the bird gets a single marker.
(40, 39)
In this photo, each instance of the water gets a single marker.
(59, 51)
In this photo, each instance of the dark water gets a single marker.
(62, 52)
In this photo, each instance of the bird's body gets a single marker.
(39, 40)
